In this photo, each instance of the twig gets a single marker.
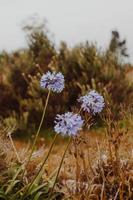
(14, 148)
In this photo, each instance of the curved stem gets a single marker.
(70, 139)
(33, 181)
(50, 149)
(38, 131)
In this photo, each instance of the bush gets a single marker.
(84, 66)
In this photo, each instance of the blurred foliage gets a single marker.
(84, 66)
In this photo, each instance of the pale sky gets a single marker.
(72, 21)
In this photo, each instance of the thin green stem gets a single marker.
(38, 131)
(45, 159)
(70, 139)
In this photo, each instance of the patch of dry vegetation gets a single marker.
(97, 166)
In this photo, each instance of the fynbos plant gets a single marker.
(53, 82)
(67, 124)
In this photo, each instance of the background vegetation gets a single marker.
(84, 66)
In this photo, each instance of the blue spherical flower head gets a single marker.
(93, 102)
(53, 81)
(68, 124)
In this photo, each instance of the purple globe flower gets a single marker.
(53, 81)
(92, 102)
(68, 123)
